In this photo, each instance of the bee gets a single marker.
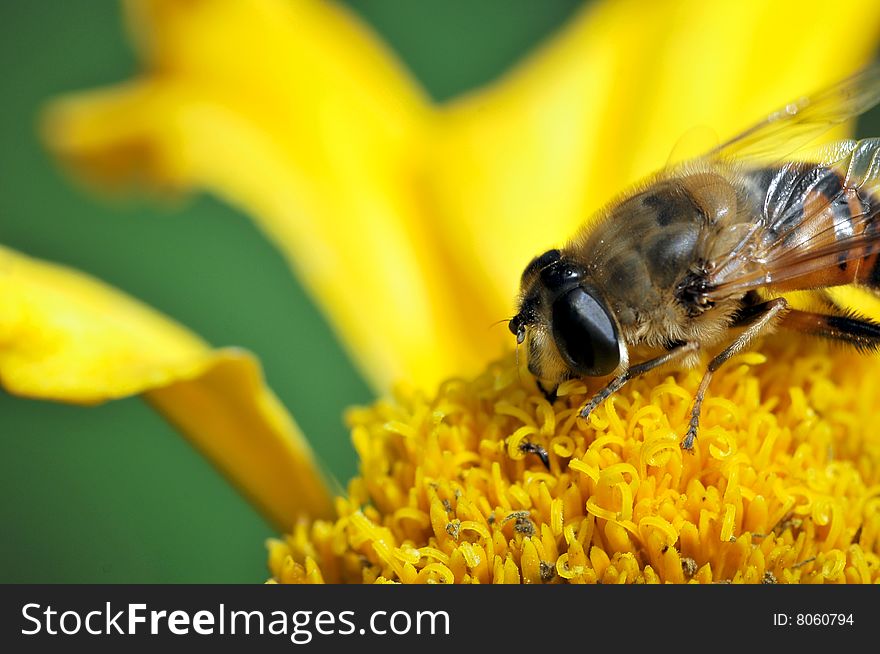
(702, 254)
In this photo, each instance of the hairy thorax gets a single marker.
(648, 248)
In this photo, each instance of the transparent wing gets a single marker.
(803, 120)
(814, 219)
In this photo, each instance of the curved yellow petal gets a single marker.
(522, 163)
(67, 337)
(292, 111)
(231, 416)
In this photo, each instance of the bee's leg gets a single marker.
(636, 371)
(863, 335)
(765, 313)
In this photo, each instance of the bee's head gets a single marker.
(569, 330)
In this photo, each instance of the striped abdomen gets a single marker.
(820, 221)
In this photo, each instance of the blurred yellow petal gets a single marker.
(520, 164)
(292, 111)
(237, 421)
(65, 336)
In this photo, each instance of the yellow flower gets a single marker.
(409, 222)
(784, 486)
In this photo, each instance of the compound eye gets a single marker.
(585, 333)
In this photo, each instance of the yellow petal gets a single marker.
(292, 111)
(231, 416)
(521, 164)
(65, 336)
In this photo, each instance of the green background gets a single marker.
(113, 494)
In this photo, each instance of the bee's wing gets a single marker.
(816, 220)
(801, 121)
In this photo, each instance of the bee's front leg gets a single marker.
(617, 383)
